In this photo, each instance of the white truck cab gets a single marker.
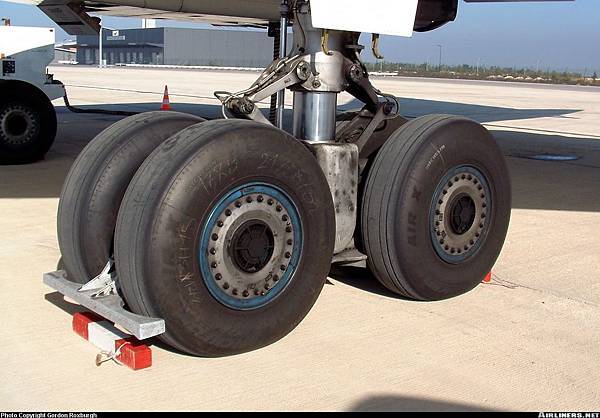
(27, 116)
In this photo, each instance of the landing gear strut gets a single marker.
(226, 229)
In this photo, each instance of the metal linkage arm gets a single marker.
(281, 74)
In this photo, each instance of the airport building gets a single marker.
(179, 46)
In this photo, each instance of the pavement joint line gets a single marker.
(153, 93)
(537, 130)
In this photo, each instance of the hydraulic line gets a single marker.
(96, 111)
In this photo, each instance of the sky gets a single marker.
(554, 35)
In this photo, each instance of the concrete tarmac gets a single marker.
(529, 340)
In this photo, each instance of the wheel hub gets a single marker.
(462, 212)
(250, 246)
(458, 216)
(18, 125)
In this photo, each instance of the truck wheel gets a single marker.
(435, 208)
(227, 232)
(27, 126)
(94, 188)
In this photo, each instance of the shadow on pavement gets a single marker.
(361, 278)
(536, 185)
(393, 403)
(412, 108)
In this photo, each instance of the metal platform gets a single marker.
(109, 307)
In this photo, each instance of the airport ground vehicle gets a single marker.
(27, 117)
(219, 234)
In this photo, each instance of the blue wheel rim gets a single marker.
(207, 262)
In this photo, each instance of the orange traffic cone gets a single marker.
(488, 277)
(166, 105)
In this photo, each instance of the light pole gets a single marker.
(100, 47)
(440, 61)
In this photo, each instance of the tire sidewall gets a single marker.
(97, 182)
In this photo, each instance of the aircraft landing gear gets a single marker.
(228, 228)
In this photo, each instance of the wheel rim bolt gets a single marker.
(218, 276)
(249, 199)
(213, 251)
(270, 202)
(238, 204)
(278, 208)
(234, 292)
(225, 286)
(284, 218)
(275, 278)
(220, 224)
(288, 255)
(260, 198)
(289, 242)
(227, 212)
(288, 229)
(214, 264)
(245, 293)
(215, 237)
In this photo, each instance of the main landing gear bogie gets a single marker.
(226, 229)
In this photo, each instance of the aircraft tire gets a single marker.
(435, 208)
(96, 183)
(27, 123)
(227, 232)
